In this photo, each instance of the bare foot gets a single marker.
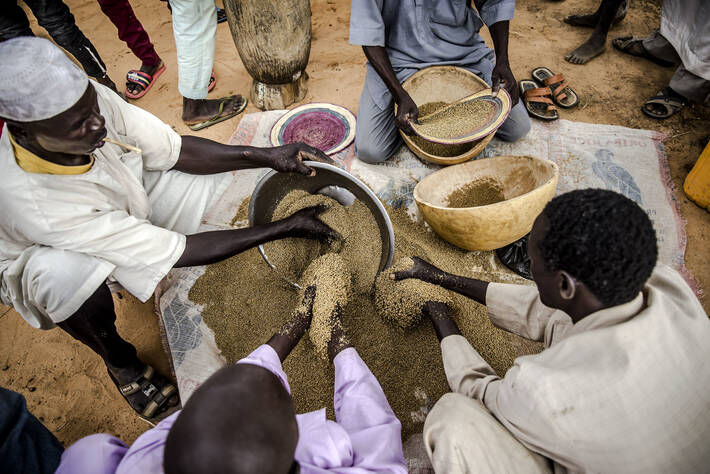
(134, 88)
(587, 21)
(592, 20)
(199, 110)
(593, 47)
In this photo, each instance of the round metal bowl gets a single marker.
(330, 181)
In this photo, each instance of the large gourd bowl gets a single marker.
(528, 184)
(444, 84)
(329, 180)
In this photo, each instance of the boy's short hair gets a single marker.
(602, 238)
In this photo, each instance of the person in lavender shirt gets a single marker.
(242, 420)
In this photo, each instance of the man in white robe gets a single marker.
(78, 211)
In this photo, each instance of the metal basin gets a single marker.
(330, 181)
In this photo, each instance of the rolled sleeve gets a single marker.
(466, 371)
(265, 356)
(141, 252)
(367, 28)
(494, 11)
(361, 408)
(160, 144)
(518, 309)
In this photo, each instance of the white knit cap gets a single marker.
(37, 80)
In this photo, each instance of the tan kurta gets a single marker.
(626, 389)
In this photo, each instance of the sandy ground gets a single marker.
(66, 385)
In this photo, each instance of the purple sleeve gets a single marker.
(361, 408)
(95, 454)
(265, 356)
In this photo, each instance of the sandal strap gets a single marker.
(139, 383)
(559, 83)
(157, 400)
(139, 77)
(540, 95)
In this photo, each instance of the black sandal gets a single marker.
(629, 45)
(156, 409)
(667, 100)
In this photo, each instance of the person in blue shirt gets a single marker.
(400, 37)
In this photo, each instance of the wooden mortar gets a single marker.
(273, 38)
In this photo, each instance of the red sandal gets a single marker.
(143, 79)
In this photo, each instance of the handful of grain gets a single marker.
(331, 277)
(457, 120)
(401, 302)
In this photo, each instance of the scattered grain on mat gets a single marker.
(242, 215)
(331, 277)
(401, 302)
(245, 303)
(481, 192)
(458, 120)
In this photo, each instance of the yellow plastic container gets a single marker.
(697, 184)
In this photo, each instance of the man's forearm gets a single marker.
(380, 62)
(211, 247)
(499, 34)
(469, 287)
(203, 156)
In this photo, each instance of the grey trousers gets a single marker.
(692, 87)
(377, 138)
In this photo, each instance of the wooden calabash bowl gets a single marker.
(445, 84)
(528, 185)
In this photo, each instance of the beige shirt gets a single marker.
(626, 389)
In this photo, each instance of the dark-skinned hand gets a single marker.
(407, 112)
(306, 224)
(301, 319)
(421, 270)
(290, 158)
(502, 75)
(339, 341)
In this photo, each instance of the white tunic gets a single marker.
(625, 389)
(686, 25)
(127, 214)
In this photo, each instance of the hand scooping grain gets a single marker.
(360, 244)
(401, 302)
(330, 276)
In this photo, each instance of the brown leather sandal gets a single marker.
(563, 95)
(538, 100)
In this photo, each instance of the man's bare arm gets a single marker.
(406, 108)
(211, 247)
(203, 156)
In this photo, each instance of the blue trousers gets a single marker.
(376, 135)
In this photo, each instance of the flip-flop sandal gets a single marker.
(669, 103)
(196, 126)
(143, 79)
(634, 46)
(538, 101)
(562, 94)
(157, 399)
(221, 15)
(213, 82)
